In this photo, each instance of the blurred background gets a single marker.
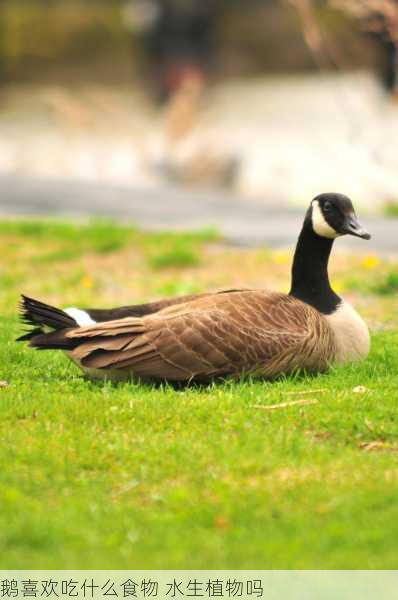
(177, 132)
(272, 101)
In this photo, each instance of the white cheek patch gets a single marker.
(319, 224)
(82, 318)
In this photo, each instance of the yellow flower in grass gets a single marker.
(282, 257)
(338, 286)
(87, 282)
(370, 262)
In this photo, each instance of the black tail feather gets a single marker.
(30, 334)
(55, 340)
(39, 315)
(36, 313)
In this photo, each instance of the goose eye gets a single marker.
(327, 206)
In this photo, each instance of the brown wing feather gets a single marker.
(222, 334)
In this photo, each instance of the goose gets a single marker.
(228, 333)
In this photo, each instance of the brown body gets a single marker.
(216, 335)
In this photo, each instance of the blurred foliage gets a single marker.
(383, 283)
(41, 34)
(91, 39)
(388, 284)
(101, 236)
(390, 209)
(64, 242)
(166, 250)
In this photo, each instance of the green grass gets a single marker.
(385, 283)
(101, 476)
(69, 240)
(390, 209)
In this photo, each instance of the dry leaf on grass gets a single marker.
(221, 522)
(305, 392)
(377, 446)
(286, 404)
(3, 384)
(360, 389)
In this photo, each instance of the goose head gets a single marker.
(333, 215)
(329, 216)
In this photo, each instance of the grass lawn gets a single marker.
(132, 476)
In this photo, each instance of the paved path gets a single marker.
(243, 222)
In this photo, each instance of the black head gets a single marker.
(333, 215)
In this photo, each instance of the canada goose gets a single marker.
(231, 332)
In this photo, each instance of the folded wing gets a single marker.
(226, 334)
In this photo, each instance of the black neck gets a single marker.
(310, 279)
